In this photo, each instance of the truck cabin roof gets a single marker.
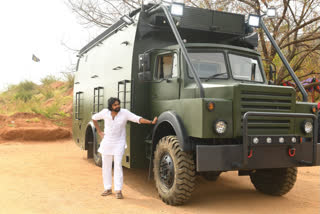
(195, 26)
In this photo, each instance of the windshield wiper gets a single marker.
(213, 76)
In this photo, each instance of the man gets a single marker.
(113, 142)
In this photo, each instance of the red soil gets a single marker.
(31, 126)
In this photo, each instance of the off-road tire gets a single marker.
(318, 127)
(274, 181)
(96, 155)
(184, 172)
(211, 176)
(90, 150)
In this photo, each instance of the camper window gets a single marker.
(78, 105)
(166, 66)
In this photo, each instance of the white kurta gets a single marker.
(114, 141)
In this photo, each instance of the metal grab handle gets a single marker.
(285, 62)
(117, 68)
(276, 114)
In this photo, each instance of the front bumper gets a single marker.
(234, 157)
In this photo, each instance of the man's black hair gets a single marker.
(111, 101)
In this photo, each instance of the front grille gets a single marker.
(261, 101)
(265, 101)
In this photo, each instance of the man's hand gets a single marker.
(101, 134)
(145, 121)
(155, 120)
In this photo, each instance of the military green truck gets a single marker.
(200, 72)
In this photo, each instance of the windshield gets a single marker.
(209, 65)
(245, 68)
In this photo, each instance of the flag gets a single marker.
(34, 58)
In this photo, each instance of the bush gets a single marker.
(49, 79)
(47, 92)
(25, 90)
(69, 78)
(23, 95)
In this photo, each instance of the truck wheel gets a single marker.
(318, 127)
(211, 176)
(96, 155)
(174, 171)
(274, 181)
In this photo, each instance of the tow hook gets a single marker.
(292, 151)
(250, 153)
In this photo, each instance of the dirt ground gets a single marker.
(56, 177)
(33, 127)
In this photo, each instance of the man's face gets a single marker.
(116, 106)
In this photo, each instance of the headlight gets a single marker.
(269, 140)
(271, 12)
(177, 9)
(254, 20)
(255, 140)
(220, 127)
(307, 127)
(281, 140)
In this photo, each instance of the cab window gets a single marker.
(166, 66)
(245, 68)
(209, 65)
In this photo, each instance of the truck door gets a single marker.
(165, 84)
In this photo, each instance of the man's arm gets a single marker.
(138, 119)
(145, 121)
(95, 118)
(96, 124)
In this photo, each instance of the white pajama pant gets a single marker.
(107, 172)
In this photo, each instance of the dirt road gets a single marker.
(56, 177)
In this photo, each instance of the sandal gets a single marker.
(106, 192)
(119, 195)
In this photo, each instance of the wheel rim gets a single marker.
(166, 170)
(95, 148)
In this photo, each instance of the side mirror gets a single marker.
(253, 71)
(145, 76)
(144, 62)
(272, 73)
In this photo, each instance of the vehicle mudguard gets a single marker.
(93, 128)
(176, 123)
